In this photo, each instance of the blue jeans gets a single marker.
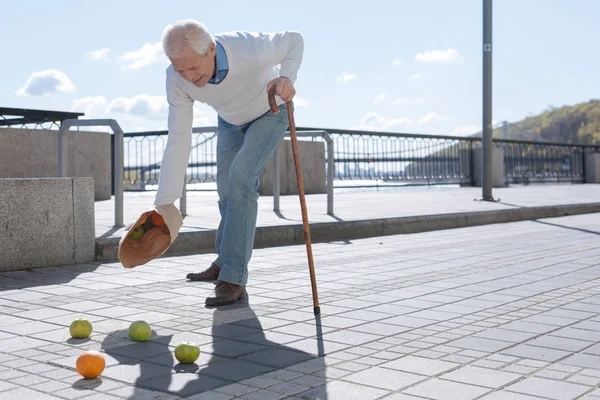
(242, 154)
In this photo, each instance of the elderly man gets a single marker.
(231, 72)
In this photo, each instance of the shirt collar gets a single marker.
(222, 65)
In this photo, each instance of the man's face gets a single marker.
(195, 68)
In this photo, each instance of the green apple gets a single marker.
(137, 233)
(139, 331)
(80, 329)
(187, 352)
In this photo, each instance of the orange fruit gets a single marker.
(157, 219)
(90, 364)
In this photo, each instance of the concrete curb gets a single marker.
(285, 235)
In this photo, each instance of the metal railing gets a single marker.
(117, 162)
(529, 162)
(400, 158)
(366, 158)
(329, 164)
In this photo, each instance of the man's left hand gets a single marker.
(283, 88)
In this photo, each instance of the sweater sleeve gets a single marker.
(285, 48)
(177, 151)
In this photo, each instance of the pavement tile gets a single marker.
(575, 333)
(408, 321)
(506, 395)
(481, 376)
(210, 395)
(6, 386)
(595, 349)
(551, 374)
(536, 353)
(350, 337)
(338, 390)
(131, 392)
(584, 380)
(280, 358)
(529, 327)
(481, 344)
(24, 393)
(289, 388)
(419, 365)
(446, 390)
(384, 378)
(505, 335)
(560, 343)
(378, 328)
(583, 360)
(16, 344)
(547, 388)
(263, 394)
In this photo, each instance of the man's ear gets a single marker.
(212, 49)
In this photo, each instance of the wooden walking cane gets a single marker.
(311, 266)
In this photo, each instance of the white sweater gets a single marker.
(254, 60)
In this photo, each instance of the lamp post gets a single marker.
(486, 139)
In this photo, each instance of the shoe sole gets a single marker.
(202, 279)
(225, 303)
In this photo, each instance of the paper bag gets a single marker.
(154, 240)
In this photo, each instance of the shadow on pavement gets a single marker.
(239, 351)
(43, 276)
(567, 227)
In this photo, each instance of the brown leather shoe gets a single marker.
(208, 275)
(225, 293)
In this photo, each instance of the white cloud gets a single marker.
(430, 117)
(47, 81)
(380, 98)
(375, 122)
(415, 77)
(438, 56)
(346, 77)
(148, 54)
(141, 105)
(99, 55)
(466, 130)
(396, 62)
(301, 102)
(404, 101)
(91, 106)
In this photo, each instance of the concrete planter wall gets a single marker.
(33, 153)
(312, 163)
(46, 222)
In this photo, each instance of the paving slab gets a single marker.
(508, 311)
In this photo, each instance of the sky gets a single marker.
(394, 66)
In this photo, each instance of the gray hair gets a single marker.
(186, 33)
